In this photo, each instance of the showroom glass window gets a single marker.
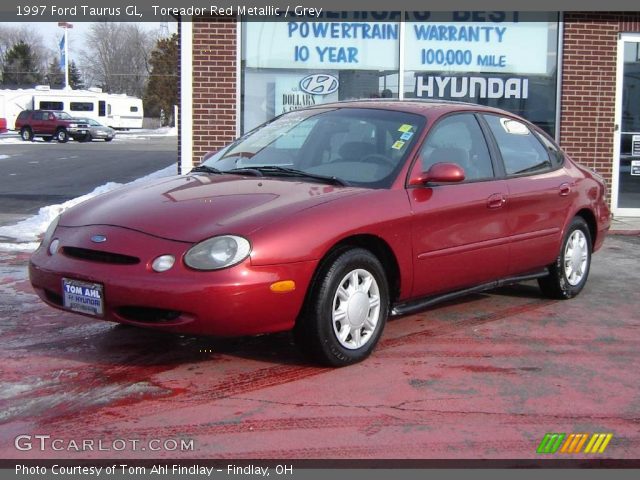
(308, 61)
(501, 59)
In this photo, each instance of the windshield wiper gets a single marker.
(270, 169)
(205, 169)
(245, 170)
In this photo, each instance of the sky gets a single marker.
(51, 34)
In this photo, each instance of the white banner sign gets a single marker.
(338, 45)
(290, 96)
(505, 47)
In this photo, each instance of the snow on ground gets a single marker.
(2, 157)
(26, 234)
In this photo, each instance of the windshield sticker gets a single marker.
(398, 145)
(405, 128)
(406, 135)
(514, 127)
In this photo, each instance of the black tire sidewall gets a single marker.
(327, 285)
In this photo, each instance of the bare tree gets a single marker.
(116, 57)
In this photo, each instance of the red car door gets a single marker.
(540, 193)
(460, 230)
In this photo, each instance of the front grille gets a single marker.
(148, 315)
(99, 256)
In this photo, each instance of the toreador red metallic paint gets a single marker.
(433, 233)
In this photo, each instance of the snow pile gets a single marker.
(27, 233)
(2, 157)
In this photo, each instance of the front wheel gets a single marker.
(346, 310)
(568, 275)
(62, 136)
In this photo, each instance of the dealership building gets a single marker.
(574, 74)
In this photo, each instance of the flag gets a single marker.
(63, 60)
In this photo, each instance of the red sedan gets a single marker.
(326, 221)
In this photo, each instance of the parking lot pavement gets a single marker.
(37, 174)
(484, 377)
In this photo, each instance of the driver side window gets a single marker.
(458, 139)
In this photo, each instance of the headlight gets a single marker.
(73, 125)
(218, 252)
(48, 234)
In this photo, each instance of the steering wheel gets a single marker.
(378, 159)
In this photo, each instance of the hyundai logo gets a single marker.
(98, 239)
(319, 84)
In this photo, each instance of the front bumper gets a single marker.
(230, 302)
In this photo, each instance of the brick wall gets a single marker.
(589, 85)
(214, 84)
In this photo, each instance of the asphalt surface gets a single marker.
(483, 377)
(36, 174)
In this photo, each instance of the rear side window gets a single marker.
(554, 152)
(23, 115)
(521, 150)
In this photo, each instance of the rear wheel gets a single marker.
(347, 309)
(26, 134)
(568, 275)
(87, 138)
(62, 136)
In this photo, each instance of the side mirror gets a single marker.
(440, 173)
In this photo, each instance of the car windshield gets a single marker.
(359, 146)
(62, 115)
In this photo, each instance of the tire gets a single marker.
(351, 285)
(47, 138)
(568, 275)
(62, 136)
(26, 134)
(87, 138)
(108, 139)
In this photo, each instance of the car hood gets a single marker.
(191, 208)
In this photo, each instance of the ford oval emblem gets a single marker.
(319, 84)
(98, 239)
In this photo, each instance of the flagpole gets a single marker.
(66, 58)
(66, 26)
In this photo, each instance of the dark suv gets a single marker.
(49, 124)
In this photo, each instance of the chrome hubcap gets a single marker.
(575, 257)
(356, 309)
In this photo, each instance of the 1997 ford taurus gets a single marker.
(326, 221)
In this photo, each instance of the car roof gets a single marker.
(419, 106)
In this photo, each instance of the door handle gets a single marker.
(497, 200)
(564, 190)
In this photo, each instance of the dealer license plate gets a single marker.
(83, 297)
